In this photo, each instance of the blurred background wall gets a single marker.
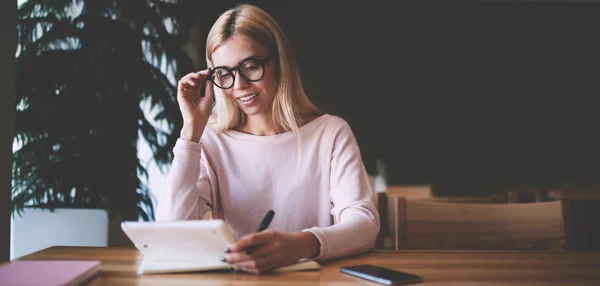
(479, 95)
(473, 98)
(8, 11)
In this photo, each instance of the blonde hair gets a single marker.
(290, 103)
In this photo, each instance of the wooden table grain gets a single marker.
(488, 268)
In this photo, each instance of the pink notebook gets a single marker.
(48, 272)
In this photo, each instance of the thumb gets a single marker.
(205, 102)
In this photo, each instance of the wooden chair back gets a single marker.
(443, 225)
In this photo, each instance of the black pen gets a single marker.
(264, 224)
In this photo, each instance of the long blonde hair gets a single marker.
(290, 103)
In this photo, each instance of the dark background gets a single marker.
(472, 97)
(496, 93)
(8, 12)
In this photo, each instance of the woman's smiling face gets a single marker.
(253, 97)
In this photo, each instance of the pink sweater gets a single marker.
(239, 177)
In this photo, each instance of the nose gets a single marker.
(239, 81)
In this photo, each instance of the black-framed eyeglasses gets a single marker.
(251, 69)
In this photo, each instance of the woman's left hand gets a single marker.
(273, 249)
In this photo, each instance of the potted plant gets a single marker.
(83, 71)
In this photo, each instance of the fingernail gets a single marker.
(223, 259)
(227, 250)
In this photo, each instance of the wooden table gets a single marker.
(436, 267)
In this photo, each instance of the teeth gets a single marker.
(246, 98)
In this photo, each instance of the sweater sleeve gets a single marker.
(356, 219)
(189, 189)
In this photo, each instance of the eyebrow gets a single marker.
(240, 62)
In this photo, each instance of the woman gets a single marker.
(266, 147)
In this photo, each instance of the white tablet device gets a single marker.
(191, 245)
(180, 246)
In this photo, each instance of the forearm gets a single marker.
(181, 197)
(180, 201)
(355, 232)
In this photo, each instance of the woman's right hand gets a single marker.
(195, 110)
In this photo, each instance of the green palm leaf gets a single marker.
(83, 70)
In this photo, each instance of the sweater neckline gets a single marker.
(281, 136)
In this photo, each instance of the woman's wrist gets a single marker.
(191, 133)
(310, 246)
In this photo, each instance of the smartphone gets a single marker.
(381, 275)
